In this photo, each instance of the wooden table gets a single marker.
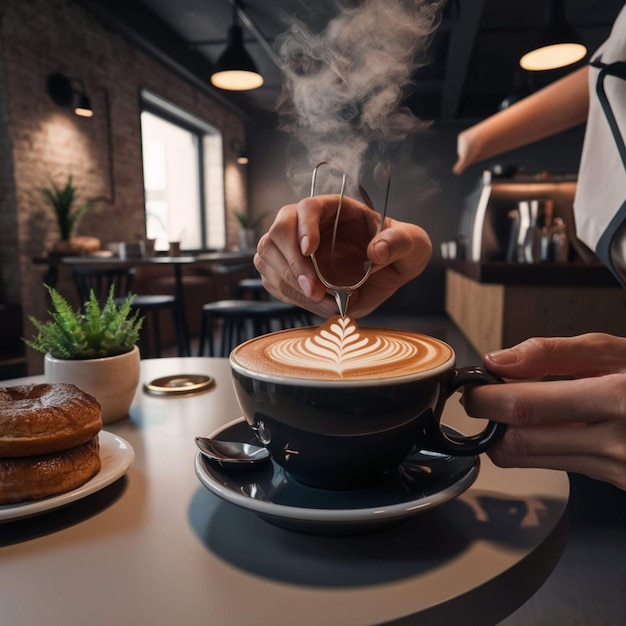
(157, 548)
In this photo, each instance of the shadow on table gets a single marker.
(46, 523)
(422, 543)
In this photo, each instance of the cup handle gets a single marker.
(460, 445)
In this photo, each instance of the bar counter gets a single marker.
(497, 305)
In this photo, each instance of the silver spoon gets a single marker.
(231, 452)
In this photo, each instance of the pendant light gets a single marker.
(235, 70)
(558, 44)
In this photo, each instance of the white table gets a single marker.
(157, 548)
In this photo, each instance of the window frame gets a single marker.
(154, 104)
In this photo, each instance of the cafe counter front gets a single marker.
(498, 304)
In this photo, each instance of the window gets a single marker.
(183, 177)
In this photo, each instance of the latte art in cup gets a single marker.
(340, 350)
(342, 407)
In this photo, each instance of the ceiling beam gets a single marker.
(462, 38)
(141, 27)
(246, 20)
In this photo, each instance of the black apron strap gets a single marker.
(605, 243)
(618, 69)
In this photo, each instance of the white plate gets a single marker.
(424, 481)
(116, 455)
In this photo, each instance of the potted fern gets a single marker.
(94, 348)
(248, 234)
(63, 199)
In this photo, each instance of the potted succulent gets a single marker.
(248, 234)
(94, 348)
(63, 199)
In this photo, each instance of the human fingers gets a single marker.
(596, 450)
(404, 246)
(463, 145)
(399, 253)
(279, 261)
(598, 468)
(308, 230)
(283, 290)
(310, 213)
(527, 404)
(605, 438)
(316, 218)
(590, 354)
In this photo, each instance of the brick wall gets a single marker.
(40, 140)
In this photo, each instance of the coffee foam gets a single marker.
(340, 350)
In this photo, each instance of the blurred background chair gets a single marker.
(233, 321)
(251, 289)
(100, 280)
(228, 275)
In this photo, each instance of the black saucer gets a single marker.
(424, 481)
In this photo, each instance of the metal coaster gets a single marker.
(179, 385)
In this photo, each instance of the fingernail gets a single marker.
(304, 245)
(503, 357)
(306, 285)
(383, 252)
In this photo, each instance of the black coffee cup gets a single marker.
(350, 433)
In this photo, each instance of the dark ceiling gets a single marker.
(473, 55)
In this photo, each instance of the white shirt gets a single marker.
(601, 188)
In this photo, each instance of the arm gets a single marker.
(555, 108)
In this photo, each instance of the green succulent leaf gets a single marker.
(94, 332)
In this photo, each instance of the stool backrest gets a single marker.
(100, 281)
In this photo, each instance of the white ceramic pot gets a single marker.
(112, 380)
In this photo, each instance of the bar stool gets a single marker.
(226, 274)
(244, 319)
(251, 289)
(100, 280)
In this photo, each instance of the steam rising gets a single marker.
(344, 87)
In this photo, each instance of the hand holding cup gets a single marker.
(340, 407)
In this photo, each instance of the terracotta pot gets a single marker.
(112, 380)
(77, 245)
